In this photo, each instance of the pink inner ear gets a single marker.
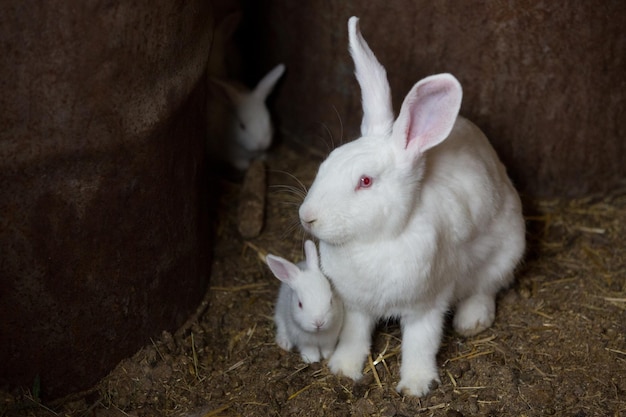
(282, 269)
(429, 112)
(426, 123)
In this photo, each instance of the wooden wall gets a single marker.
(545, 80)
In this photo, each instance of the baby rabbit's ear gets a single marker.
(372, 77)
(267, 83)
(428, 113)
(312, 259)
(282, 268)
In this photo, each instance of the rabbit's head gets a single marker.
(370, 187)
(251, 124)
(314, 305)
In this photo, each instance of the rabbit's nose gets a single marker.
(319, 324)
(307, 217)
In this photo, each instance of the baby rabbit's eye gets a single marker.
(299, 303)
(365, 182)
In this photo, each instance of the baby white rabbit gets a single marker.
(415, 217)
(241, 129)
(308, 314)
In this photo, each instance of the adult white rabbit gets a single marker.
(415, 217)
(308, 314)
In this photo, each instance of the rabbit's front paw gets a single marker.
(418, 385)
(310, 354)
(346, 365)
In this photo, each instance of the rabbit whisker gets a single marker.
(293, 227)
(288, 189)
(293, 177)
(340, 125)
(328, 138)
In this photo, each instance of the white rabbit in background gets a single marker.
(240, 127)
(308, 314)
(414, 218)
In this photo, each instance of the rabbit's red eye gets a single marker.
(365, 181)
(300, 304)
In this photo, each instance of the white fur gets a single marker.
(248, 126)
(440, 225)
(308, 314)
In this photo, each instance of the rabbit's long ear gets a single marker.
(428, 113)
(267, 83)
(282, 268)
(312, 259)
(372, 77)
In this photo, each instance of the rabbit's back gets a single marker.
(465, 185)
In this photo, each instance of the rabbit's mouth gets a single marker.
(307, 225)
(331, 239)
(331, 232)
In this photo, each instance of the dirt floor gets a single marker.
(558, 346)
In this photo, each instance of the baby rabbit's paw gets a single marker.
(310, 355)
(283, 341)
